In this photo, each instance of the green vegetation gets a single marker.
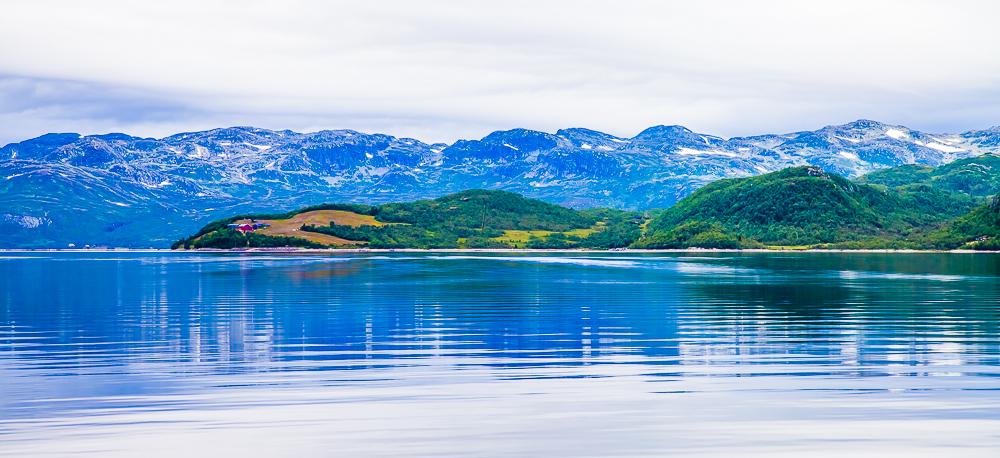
(975, 177)
(908, 207)
(803, 206)
(468, 219)
(226, 238)
(696, 234)
(978, 230)
(620, 229)
(482, 210)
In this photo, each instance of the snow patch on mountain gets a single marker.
(897, 134)
(848, 155)
(941, 147)
(684, 151)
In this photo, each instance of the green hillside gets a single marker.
(976, 176)
(468, 219)
(801, 206)
(977, 230)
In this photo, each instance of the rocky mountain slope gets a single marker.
(121, 190)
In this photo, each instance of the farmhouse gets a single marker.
(243, 228)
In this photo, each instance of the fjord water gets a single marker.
(401, 354)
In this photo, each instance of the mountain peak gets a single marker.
(38, 146)
(582, 132)
(589, 139)
(522, 139)
(662, 131)
(519, 132)
(864, 124)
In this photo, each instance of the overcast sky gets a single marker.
(439, 71)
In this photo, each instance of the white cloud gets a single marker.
(449, 69)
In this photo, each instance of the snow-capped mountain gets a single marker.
(121, 190)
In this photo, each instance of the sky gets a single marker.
(444, 70)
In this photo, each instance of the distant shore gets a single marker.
(292, 250)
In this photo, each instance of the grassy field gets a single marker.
(290, 227)
(518, 238)
(790, 247)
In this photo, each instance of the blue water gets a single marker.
(180, 354)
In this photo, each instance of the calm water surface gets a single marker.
(177, 354)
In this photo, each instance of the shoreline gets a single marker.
(291, 250)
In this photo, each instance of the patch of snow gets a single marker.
(373, 171)
(943, 148)
(369, 155)
(618, 140)
(586, 146)
(120, 204)
(697, 152)
(511, 147)
(199, 152)
(258, 147)
(852, 140)
(849, 155)
(605, 148)
(897, 134)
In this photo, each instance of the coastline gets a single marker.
(291, 250)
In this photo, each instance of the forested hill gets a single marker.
(468, 219)
(980, 230)
(805, 206)
(976, 176)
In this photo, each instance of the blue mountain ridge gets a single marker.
(120, 190)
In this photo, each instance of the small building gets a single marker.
(243, 228)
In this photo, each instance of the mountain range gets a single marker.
(122, 190)
(905, 207)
